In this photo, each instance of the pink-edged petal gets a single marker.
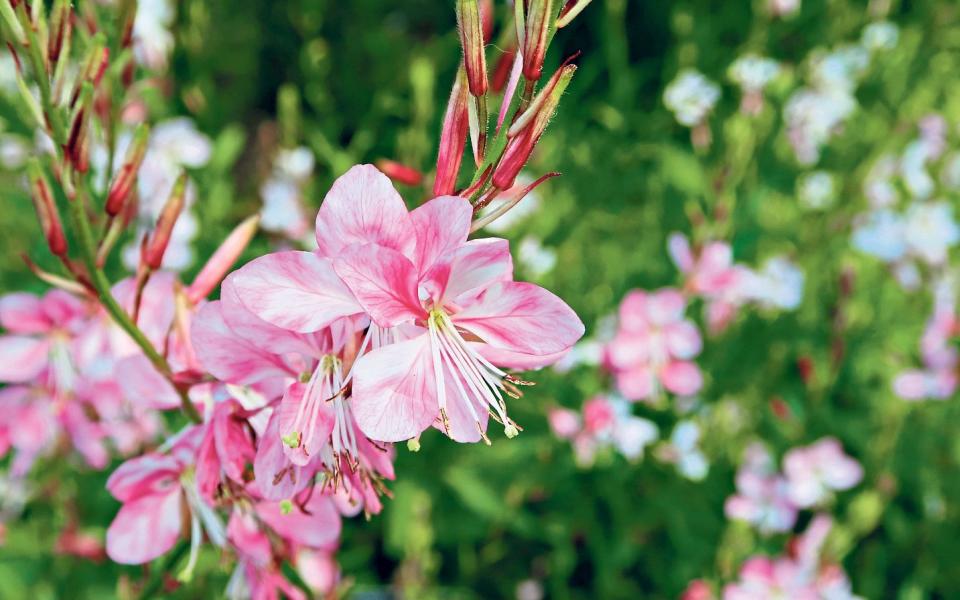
(477, 265)
(362, 207)
(156, 308)
(441, 226)
(522, 317)
(314, 427)
(276, 477)
(254, 329)
(517, 360)
(678, 247)
(295, 290)
(665, 306)
(384, 282)
(149, 474)
(394, 391)
(145, 528)
(682, 378)
(633, 311)
(22, 313)
(245, 535)
(231, 358)
(208, 467)
(144, 386)
(23, 358)
(683, 339)
(638, 383)
(628, 349)
(231, 440)
(316, 528)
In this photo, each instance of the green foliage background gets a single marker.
(471, 521)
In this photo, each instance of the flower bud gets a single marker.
(534, 43)
(12, 23)
(60, 29)
(570, 11)
(152, 254)
(452, 137)
(501, 71)
(486, 19)
(526, 131)
(471, 38)
(46, 208)
(399, 172)
(77, 146)
(223, 259)
(126, 177)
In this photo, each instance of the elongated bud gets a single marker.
(501, 71)
(452, 137)
(471, 38)
(46, 208)
(549, 95)
(127, 175)
(400, 172)
(154, 249)
(570, 11)
(525, 138)
(12, 23)
(77, 146)
(30, 101)
(534, 44)
(223, 259)
(486, 19)
(94, 64)
(59, 28)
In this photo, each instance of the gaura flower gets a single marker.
(467, 319)
(654, 346)
(816, 470)
(452, 302)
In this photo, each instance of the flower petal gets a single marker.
(683, 339)
(21, 312)
(441, 226)
(477, 265)
(522, 317)
(144, 386)
(362, 207)
(394, 391)
(383, 281)
(276, 477)
(681, 377)
(229, 357)
(24, 358)
(316, 528)
(315, 430)
(145, 475)
(145, 528)
(295, 290)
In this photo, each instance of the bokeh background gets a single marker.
(367, 80)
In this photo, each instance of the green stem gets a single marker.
(482, 118)
(120, 316)
(156, 581)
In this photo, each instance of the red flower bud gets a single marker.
(486, 18)
(222, 260)
(501, 71)
(399, 172)
(61, 28)
(46, 208)
(471, 38)
(534, 43)
(570, 11)
(452, 138)
(154, 249)
(126, 177)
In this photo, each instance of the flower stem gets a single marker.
(120, 316)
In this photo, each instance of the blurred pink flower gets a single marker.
(816, 470)
(654, 345)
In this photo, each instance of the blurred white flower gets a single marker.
(683, 450)
(537, 260)
(880, 233)
(812, 116)
(930, 230)
(877, 186)
(816, 190)
(14, 151)
(753, 73)
(779, 284)
(282, 193)
(691, 97)
(152, 40)
(881, 35)
(783, 8)
(839, 70)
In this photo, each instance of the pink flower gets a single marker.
(762, 578)
(816, 470)
(155, 490)
(654, 345)
(451, 301)
(938, 379)
(761, 497)
(564, 423)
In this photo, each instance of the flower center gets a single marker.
(481, 385)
